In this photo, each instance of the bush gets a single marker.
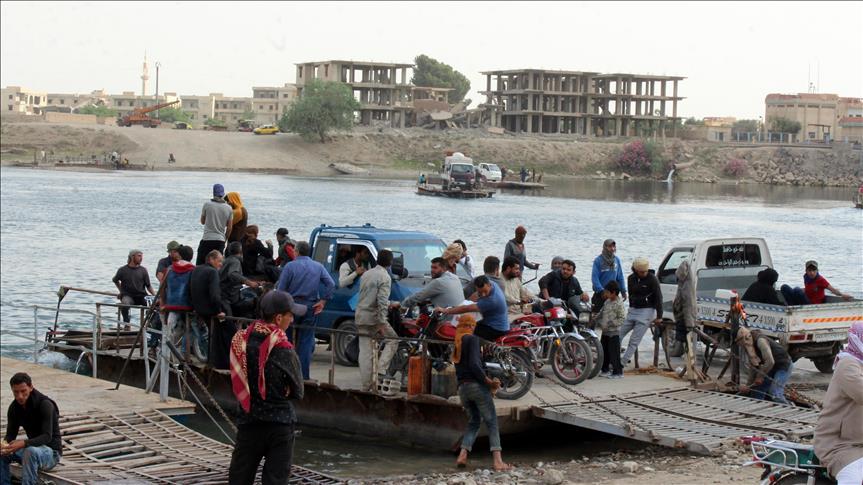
(642, 157)
(735, 167)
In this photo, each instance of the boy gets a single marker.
(611, 318)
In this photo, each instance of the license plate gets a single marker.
(826, 337)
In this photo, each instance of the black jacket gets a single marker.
(470, 367)
(762, 291)
(40, 418)
(205, 292)
(645, 292)
(284, 382)
(558, 288)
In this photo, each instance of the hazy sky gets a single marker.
(733, 54)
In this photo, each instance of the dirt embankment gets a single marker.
(404, 153)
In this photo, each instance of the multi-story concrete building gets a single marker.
(199, 108)
(822, 117)
(125, 103)
(580, 102)
(69, 102)
(382, 89)
(270, 103)
(231, 109)
(17, 100)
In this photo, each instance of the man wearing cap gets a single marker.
(515, 248)
(606, 267)
(287, 248)
(133, 282)
(304, 278)
(265, 377)
(217, 217)
(166, 262)
(813, 288)
(645, 305)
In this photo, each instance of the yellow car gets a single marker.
(266, 130)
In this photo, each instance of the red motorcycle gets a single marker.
(506, 360)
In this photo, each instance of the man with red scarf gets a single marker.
(266, 376)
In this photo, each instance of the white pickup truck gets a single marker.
(719, 265)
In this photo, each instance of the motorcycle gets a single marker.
(787, 463)
(568, 353)
(581, 323)
(502, 360)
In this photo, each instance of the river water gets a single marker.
(76, 228)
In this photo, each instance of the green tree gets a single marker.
(248, 115)
(214, 122)
(323, 106)
(784, 125)
(433, 73)
(173, 115)
(745, 126)
(102, 111)
(694, 122)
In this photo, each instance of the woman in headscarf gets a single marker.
(475, 391)
(258, 258)
(606, 267)
(240, 219)
(839, 433)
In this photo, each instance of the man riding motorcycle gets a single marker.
(519, 299)
(444, 290)
(561, 283)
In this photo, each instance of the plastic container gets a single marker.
(443, 382)
(418, 381)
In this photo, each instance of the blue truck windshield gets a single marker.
(418, 255)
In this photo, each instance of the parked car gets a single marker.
(332, 246)
(489, 172)
(246, 126)
(182, 125)
(266, 130)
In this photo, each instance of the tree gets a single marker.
(248, 115)
(173, 115)
(433, 73)
(745, 126)
(784, 125)
(214, 122)
(694, 122)
(101, 111)
(323, 106)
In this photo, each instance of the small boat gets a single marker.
(508, 184)
(453, 194)
(348, 169)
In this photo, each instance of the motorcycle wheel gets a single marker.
(340, 343)
(598, 355)
(571, 361)
(797, 478)
(520, 375)
(398, 368)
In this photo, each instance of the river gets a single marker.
(76, 228)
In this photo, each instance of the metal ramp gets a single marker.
(146, 447)
(700, 421)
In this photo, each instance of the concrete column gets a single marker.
(488, 89)
(518, 124)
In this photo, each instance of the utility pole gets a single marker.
(158, 65)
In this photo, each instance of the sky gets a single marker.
(732, 53)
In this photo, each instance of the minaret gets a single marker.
(144, 76)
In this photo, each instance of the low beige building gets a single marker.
(125, 103)
(68, 102)
(270, 103)
(21, 101)
(199, 108)
(717, 128)
(230, 109)
(822, 117)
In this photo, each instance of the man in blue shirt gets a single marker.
(491, 305)
(606, 267)
(302, 278)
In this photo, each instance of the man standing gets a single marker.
(515, 248)
(645, 305)
(514, 292)
(133, 281)
(287, 251)
(231, 280)
(302, 278)
(165, 263)
(491, 305)
(371, 319)
(217, 217)
(491, 269)
(562, 284)
(175, 300)
(444, 290)
(606, 267)
(265, 377)
(206, 297)
(354, 267)
(40, 417)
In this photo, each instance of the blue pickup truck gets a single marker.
(332, 246)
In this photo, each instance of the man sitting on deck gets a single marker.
(39, 416)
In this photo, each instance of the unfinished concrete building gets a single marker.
(382, 89)
(580, 102)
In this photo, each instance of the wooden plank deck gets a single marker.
(77, 394)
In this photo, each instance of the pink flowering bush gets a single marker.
(735, 167)
(635, 157)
